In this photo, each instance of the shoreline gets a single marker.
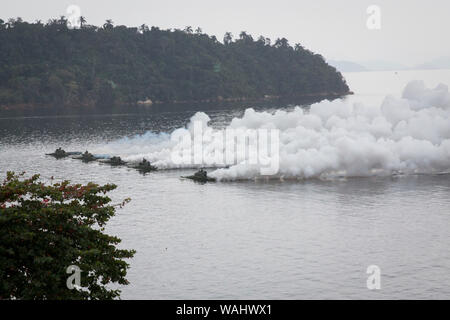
(33, 110)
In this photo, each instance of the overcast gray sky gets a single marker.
(412, 32)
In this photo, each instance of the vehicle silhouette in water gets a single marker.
(200, 176)
(115, 161)
(86, 157)
(61, 153)
(145, 166)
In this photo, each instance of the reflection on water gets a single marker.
(266, 239)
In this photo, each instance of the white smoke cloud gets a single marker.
(405, 135)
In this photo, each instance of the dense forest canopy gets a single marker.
(53, 65)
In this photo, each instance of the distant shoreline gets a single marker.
(113, 66)
(396, 70)
(33, 110)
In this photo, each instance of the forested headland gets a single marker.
(52, 65)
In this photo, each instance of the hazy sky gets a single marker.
(412, 31)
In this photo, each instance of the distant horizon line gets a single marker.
(442, 62)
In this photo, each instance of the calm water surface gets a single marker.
(256, 240)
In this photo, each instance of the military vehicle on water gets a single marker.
(86, 157)
(200, 176)
(60, 153)
(115, 161)
(145, 166)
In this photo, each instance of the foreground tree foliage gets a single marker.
(53, 65)
(44, 229)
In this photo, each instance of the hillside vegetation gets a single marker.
(52, 65)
